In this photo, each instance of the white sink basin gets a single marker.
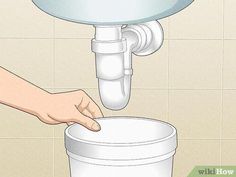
(105, 12)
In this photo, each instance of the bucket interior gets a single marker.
(123, 130)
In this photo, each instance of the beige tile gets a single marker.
(15, 123)
(195, 64)
(196, 113)
(146, 103)
(75, 64)
(61, 159)
(31, 59)
(59, 130)
(229, 114)
(191, 153)
(22, 19)
(26, 157)
(229, 19)
(203, 19)
(93, 93)
(65, 29)
(228, 152)
(229, 75)
(151, 71)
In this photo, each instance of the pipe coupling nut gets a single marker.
(109, 47)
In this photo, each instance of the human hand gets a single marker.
(70, 107)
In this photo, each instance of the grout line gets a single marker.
(174, 89)
(75, 38)
(203, 139)
(194, 39)
(53, 153)
(54, 55)
(67, 38)
(168, 74)
(136, 88)
(38, 38)
(54, 76)
(61, 138)
(30, 137)
(222, 83)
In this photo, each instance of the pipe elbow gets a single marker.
(115, 94)
(114, 81)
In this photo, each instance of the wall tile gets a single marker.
(229, 75)
(151, 71)
(196, 113)
(191, 153)
(22, 19)
(65, 29)
(228, 152)
(26, 157)
(75, 64)
(146, 103)
(59, 130)
(31, 59)
(195, 64)
(62, 168)
(229, 19)
(15, 123)
(203, 19)
(229, 114)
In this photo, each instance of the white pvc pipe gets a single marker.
(113, 68)
(113, 47)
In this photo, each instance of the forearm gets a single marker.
(20, 94)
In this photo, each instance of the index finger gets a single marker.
(93, 108)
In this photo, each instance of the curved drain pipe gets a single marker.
(113, 47)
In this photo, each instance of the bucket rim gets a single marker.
(128, 144)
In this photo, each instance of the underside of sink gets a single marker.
(110, 12)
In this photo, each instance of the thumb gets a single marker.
(87, 122)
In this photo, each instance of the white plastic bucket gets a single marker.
(125, 146)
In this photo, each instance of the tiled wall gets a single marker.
(190, 82)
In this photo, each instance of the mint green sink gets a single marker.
(105, 12)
